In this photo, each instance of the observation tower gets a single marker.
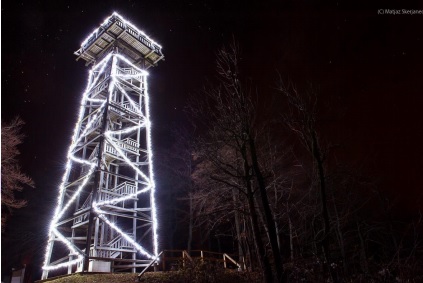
(106, 216)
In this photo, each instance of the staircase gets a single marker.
(126, 188)
(113, 249)
(82, 213)
(125, 108)
(128, 146)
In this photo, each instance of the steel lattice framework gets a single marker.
(106, 216)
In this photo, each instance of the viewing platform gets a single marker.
(115, 31)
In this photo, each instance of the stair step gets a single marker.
(80, 224)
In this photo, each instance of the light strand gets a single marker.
(150, 161)
(126, 197)
(133, 104)
(94, 76)
(125, 22)
(92, 80)
(100, 214)
(127, 160)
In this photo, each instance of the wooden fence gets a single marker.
(173, 259)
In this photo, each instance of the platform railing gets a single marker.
(121, 107)
(127, 145)
(127, 71)
(131, 107)
(126, 188)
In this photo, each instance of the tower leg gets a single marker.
(50, 248)
(70, 266)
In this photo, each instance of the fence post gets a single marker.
(183, 259)
(244, 266)
(202, 259)
(224, 261)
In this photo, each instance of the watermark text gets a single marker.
(399, 12)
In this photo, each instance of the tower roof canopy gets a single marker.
(115, 31)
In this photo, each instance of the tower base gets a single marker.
(97, 266)
(100, 266)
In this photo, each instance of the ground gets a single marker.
(162, 277)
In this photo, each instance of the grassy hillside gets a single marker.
(189, 275)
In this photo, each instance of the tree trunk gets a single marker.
(340, 236)
(237, 227)
(267, 213)
(291, 237)
(317, 155)
(190, 225)
(264, 261)
(341, 243)
(250, 261)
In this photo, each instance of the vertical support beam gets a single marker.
(135, 203)
(97, 182)
(150, 168)
(97, 224)
(102, 234)
(49, 250)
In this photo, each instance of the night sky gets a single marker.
(370, 64)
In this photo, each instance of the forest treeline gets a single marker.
(257, 176)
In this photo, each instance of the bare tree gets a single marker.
(301, 118)
(12, 178)
(219, 196)
(232, 146)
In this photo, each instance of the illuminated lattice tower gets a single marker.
(106, 217)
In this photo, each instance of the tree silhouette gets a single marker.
(12, 178)
(232, 150)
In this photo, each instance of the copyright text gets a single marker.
(399, 12)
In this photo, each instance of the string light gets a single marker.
(125, 131)
(100, 214)
(61, 208)
(125, 22)
(131, 102)
(58, 211)
(150, 159)
(126, 197)
(127, 160)
(76, 194)
(74, 141)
